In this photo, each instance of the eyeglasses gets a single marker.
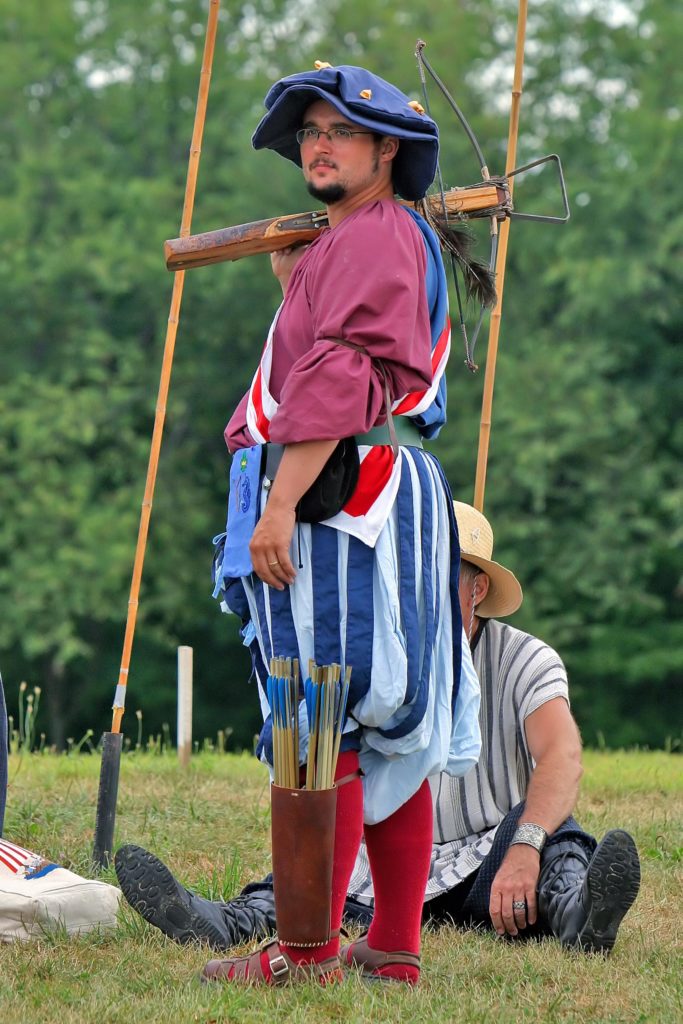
(337, 136)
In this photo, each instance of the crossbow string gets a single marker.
(479, 277)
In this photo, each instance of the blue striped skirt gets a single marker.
(391, 613)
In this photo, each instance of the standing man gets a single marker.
(487, 868)
(357, 350)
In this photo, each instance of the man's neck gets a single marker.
(336, 212)
(475, 632)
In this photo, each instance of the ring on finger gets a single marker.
(519, 904)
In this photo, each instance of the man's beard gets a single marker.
(328, 194)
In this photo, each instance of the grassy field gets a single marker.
(210, 823)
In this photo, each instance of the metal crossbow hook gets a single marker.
(496, 214)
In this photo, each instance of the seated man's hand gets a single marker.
(515, 882)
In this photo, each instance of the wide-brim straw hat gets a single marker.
(364, 99)
(476, 546)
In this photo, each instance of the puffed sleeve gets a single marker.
(236, 433)
(368, 288)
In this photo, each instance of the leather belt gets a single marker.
(406, 433)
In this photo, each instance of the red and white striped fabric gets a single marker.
(368, 508)
(261, 406)
(21, 862)
(37, 895)
(419, 401)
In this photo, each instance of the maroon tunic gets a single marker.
(362, 281)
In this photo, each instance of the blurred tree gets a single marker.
(97, 101)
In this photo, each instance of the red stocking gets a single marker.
(399, 851)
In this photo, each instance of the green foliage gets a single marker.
(583, 488)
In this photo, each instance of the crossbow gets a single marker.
(446, 210)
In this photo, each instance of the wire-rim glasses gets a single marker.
(335, 135)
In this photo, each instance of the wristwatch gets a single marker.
(530, 835)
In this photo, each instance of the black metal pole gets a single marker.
(112, 743)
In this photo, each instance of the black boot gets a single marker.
(583, 899)
(151, 889)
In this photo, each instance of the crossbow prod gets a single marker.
(460, 259)
(447, 210)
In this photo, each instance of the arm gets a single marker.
(555, 746)
(301, 464)
(269, 545)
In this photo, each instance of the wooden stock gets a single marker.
(261, 236)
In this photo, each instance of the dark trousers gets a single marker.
(467, 904)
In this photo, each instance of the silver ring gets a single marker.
(519, 904)
(276, 562)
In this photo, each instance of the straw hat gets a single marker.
(476, 546)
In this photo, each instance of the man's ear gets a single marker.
(482, 581)
(389, 147)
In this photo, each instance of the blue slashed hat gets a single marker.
(366, 100)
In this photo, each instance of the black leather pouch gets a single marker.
(333, 486)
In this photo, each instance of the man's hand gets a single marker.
(516, 879)
(270, 541)
(269, 545)
(283, 262)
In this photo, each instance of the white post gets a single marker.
(184, 705)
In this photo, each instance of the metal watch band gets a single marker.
(530, 835)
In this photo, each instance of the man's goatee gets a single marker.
(328, 194)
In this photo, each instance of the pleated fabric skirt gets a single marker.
(391, 613)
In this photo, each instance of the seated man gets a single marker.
(507, 852)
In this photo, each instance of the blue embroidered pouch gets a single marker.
(243, 509)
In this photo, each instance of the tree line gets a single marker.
(584, 487)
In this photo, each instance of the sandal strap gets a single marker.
(362, 955)
(282, 968)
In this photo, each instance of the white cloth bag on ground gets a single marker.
(37, 896)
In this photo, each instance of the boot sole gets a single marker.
(153, 892)
(610, 888)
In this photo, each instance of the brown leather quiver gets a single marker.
(302, 834)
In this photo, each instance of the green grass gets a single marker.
(211, 826)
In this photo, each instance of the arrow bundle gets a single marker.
(326, 696)
(282, 689)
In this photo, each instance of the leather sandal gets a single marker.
(247, 970)
(359, 954)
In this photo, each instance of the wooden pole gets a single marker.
(494, 329)
(112, 741)
(184, 706)
(167, 363)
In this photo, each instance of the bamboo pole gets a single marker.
(167, 363)
(494, 329)
(112, 741)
